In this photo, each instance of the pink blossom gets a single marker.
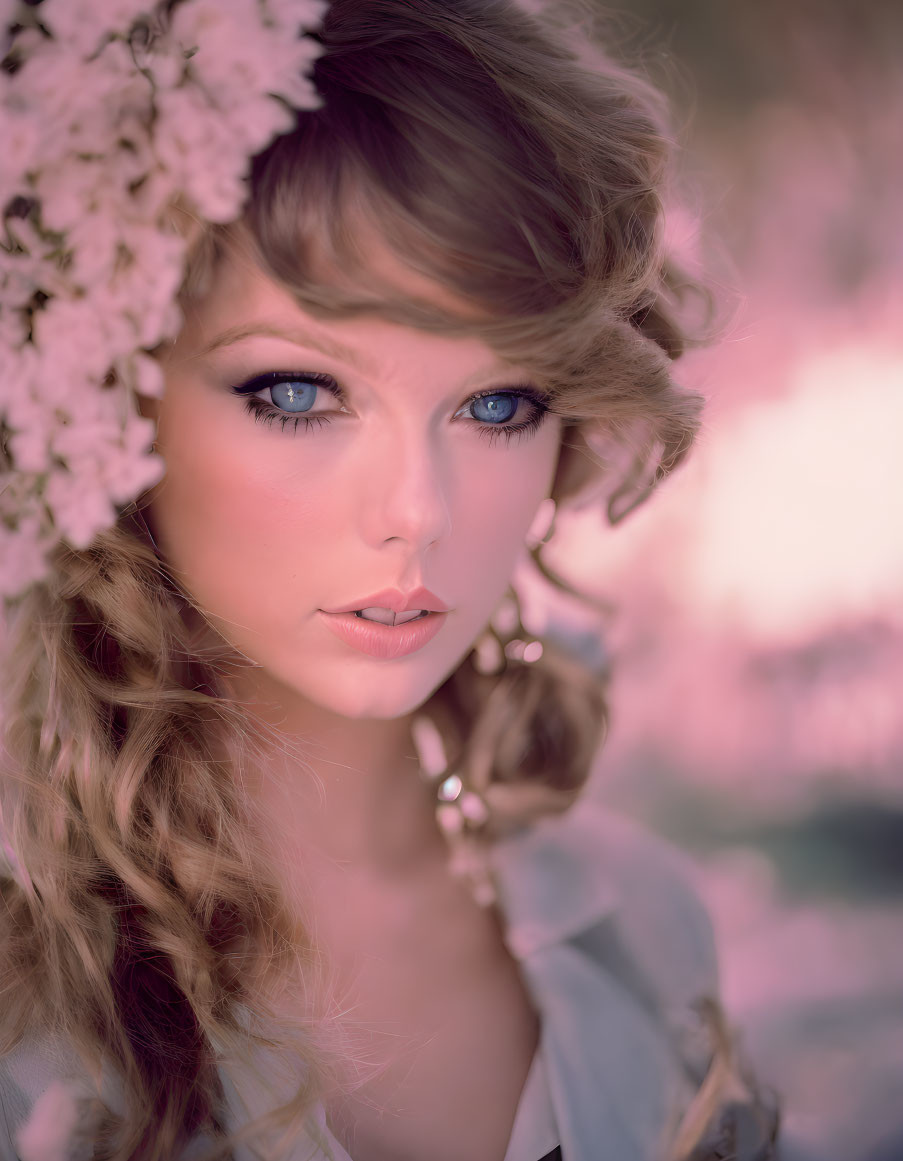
(13, 330)
(205, 154)
(19, 134)
(92, 238)
(23, 273)
(66, 333)
(73, 101)
(148, 282)
(291, 16)
(141, 374)
(66, 192)
(83, 23)
(81, 508)
(228, 61)
(100, 250)
(128, 470)
(30, 446)
(18, 400)
(22, 554)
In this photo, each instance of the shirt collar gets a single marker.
(553, 878)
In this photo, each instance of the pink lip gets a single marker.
(397, 601)
(385, 641)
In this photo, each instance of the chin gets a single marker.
(388, 701)
(358, 693)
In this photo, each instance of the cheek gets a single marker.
(231, 512)
(498, 500)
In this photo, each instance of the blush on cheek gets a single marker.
(242, 525)
(498, 506)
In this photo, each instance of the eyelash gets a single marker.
(265, 413)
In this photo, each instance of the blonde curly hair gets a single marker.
(503, 157)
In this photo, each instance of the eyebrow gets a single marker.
(331, 347)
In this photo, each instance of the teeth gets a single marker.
(412, 615)
(387, 617)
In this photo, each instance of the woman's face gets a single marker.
(376, 469)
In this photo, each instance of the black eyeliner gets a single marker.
(273, 378)
(268, 414)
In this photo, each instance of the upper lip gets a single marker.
(397, 601)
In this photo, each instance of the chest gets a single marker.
(444, 1032)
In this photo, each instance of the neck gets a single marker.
(339, 796)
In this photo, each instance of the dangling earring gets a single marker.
(541, 531)
(508, 618)
(488, 654)
(461, 811)
(497, 645)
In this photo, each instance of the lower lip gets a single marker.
(386, 641)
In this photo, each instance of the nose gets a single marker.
(405, 493)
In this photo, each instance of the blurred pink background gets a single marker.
(756, 633)
(757, 627)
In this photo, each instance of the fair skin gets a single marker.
(264, 526)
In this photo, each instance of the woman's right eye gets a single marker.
(293, 394)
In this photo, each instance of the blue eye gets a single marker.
(496, 408)
(493, 409)
(295, 393)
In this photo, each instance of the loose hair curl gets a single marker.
(524, 175)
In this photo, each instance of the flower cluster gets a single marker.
(112, 112)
